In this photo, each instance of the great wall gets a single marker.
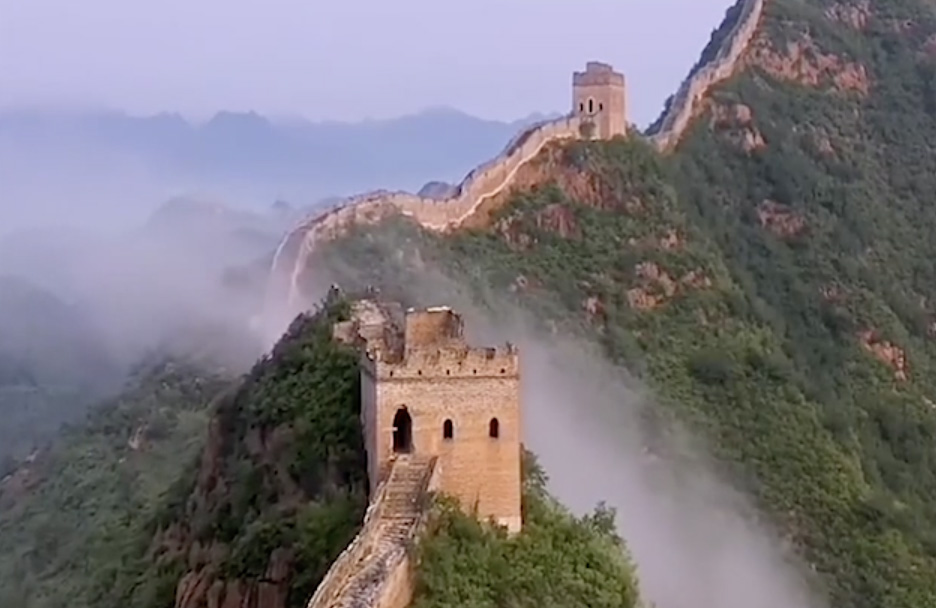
(438, 416)
(494, 177)
(693, 90)
(375, 570)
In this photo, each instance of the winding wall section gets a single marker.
(495, 176)
(693, 90)
(439, 215)
(374, 570)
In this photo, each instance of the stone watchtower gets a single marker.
(425, 392)
(599, 98)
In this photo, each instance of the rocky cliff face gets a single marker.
(279, 489)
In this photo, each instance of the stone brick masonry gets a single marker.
(374, 569)
(438, 415)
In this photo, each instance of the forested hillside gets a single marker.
(772, 280)
(53, 364)
(191, 489)
(75, 511)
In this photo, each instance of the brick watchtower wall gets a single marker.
(599, 96)
(441, 397)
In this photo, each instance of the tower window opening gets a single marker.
(402, 432)
(600, 107)
(591, 106)
(448, 429)
(494, 428)
(581, 106)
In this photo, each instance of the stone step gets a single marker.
(400, 512)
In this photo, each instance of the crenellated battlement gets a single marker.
(597, 74)
(449, 363)
(429, 345)
(426, 392)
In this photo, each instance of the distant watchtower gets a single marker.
(426, 392)
(599, 98)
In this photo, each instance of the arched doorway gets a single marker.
(402, 432)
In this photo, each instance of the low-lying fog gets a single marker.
(696, 541)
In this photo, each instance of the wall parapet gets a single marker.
(439, 215)
(683, 106)
(451, 363)
(346, 562)
(371, 571)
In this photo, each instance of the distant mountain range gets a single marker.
(243, 156)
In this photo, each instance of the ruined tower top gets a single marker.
(597, 73)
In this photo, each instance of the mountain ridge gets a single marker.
(770, 278)
(791, 320)
(485, 188)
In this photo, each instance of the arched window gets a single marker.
(448, 429)
(494, 429)
(581, 106)
(591, 106)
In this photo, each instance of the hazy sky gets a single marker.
(346, 59)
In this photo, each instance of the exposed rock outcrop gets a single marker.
(780, 219)
(655, 286)
(736, 123)
(855, 15)
(803, 62)
(886, 352)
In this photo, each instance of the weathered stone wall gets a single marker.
(432, 327)
(347, 562)
(599, 97)
(486, 181)
(375, 569)
(693, 90)
(495, 176)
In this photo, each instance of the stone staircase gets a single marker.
(363, 573)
